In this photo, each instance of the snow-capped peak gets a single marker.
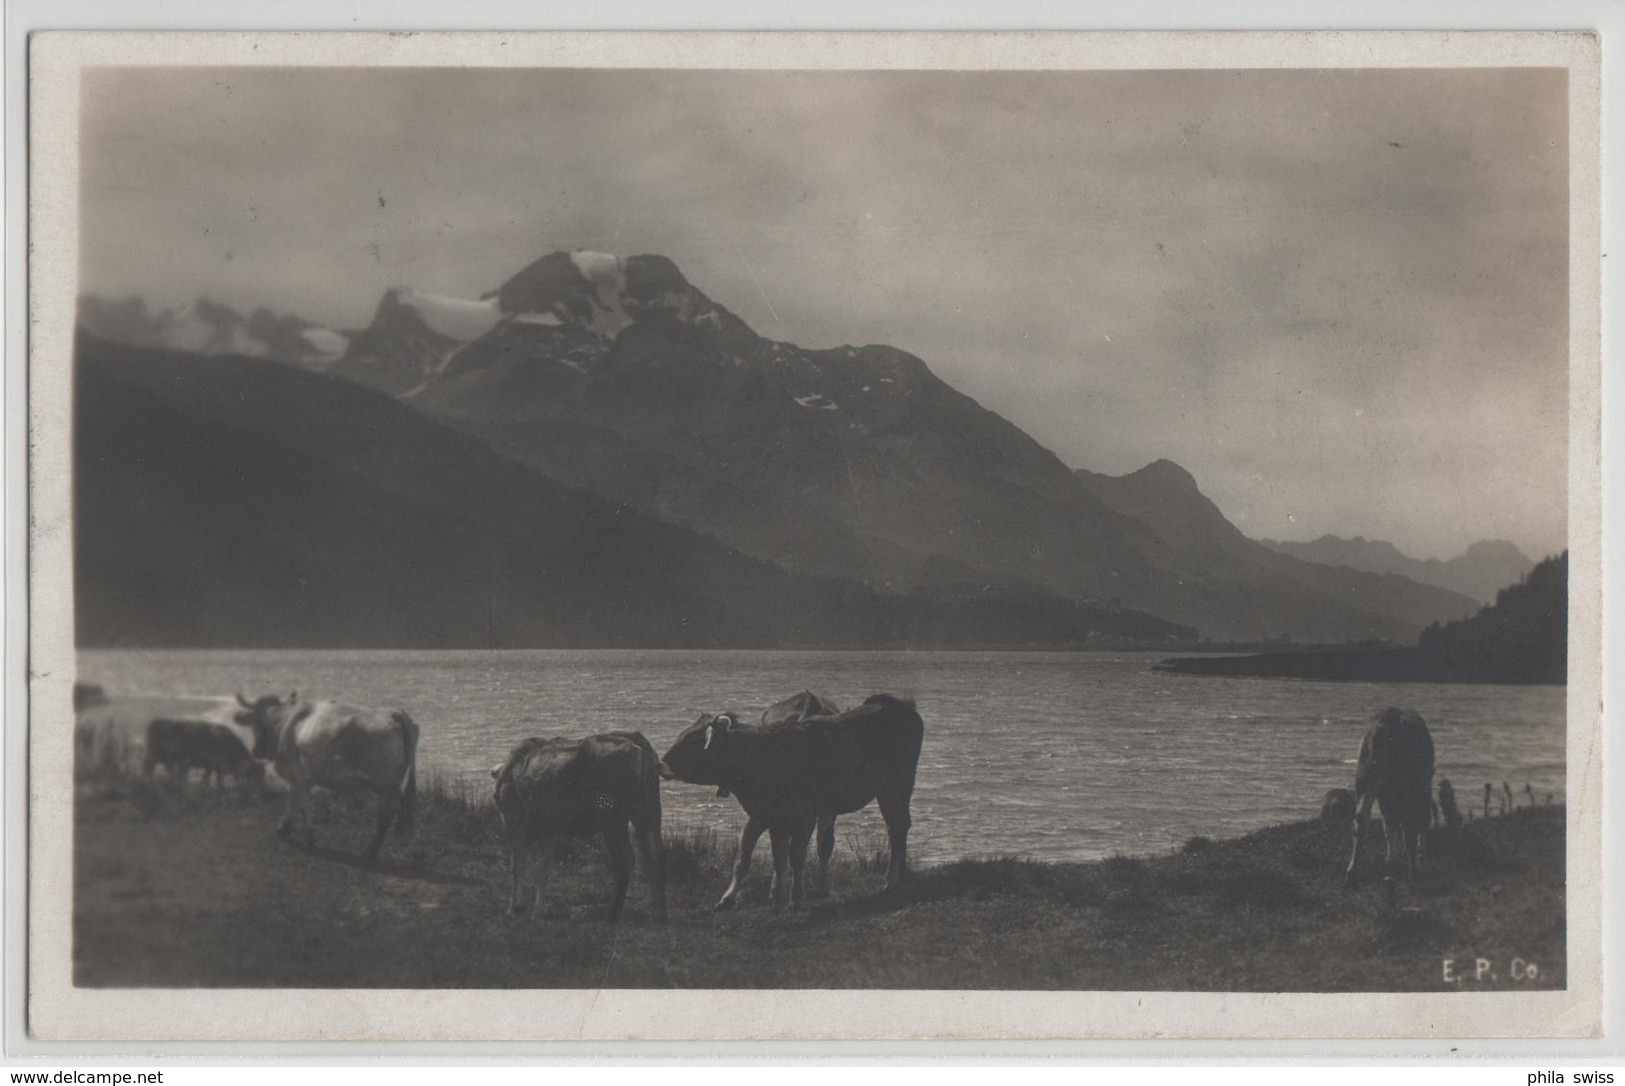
(607, 274)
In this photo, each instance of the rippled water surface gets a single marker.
(1048, 755)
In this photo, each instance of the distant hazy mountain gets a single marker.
(1521, 638)
(1487, 567)
(620, 377)
(207, 327)
(235, 501)
(1165, 498)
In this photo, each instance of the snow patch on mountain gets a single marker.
(548, 320)
(607, 274)
(455, 318)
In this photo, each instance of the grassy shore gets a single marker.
(180, 886)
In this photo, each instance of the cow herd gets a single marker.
(804, 763)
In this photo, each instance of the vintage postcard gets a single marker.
(659, 537)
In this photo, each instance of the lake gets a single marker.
(1055, 756)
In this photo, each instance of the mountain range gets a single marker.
(1488, 565)
(209, 327)
(854, 465)
(232, 501)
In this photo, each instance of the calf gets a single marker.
(181, 746)
(1395, 770)
(787, 775)
(1337, 805)
(552, 789)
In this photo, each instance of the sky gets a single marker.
(1338, 298)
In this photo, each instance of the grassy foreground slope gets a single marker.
(176, 887)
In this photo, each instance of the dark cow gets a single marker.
(339, 747)
(1395, 770)
(802, 706)
(181, 746)
(789, 774)
(551, 789)
(1337, 805)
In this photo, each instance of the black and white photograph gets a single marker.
(565, 516)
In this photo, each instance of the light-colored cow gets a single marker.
(330, 745)
(1395, 770)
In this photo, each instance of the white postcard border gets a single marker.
(57, 1010)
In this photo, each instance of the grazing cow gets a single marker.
(1337, 805)
(802, 706)
(339, 747)
(789, 774)
(1395, 770)
(1447, 804)
(551, 789)
(181, 746)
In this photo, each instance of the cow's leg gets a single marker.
(781, 862)
(544, 856)
(895, 811)
(747, 844)
(1415, 845)
(620, 861)
(284, 829)
(387, 800)
(826, 849)
(653, 851)
(518, 857)
(799, 838)
(1361, 813)
(304, 803)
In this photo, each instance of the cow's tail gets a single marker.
(406, 816)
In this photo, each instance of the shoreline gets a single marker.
(181, 886)
(1380, 666)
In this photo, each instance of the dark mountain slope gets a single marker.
(1521, 638)
(230, 501)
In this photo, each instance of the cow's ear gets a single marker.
(244, 702)
(496, 771)
(293, 697)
